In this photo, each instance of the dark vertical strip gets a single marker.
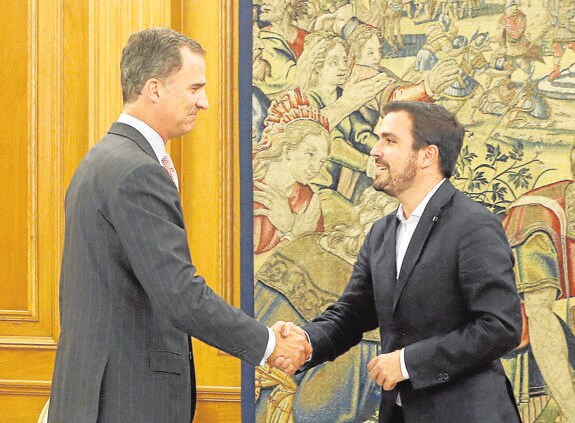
(246, 192)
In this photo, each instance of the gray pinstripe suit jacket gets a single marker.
(130, 297)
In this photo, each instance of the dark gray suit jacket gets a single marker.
(454, 308)
(130, 296)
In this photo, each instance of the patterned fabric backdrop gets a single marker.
(322, 70)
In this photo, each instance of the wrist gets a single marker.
(288, 232)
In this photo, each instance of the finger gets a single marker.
(263, 200)
(388, 385)
(371, 365)
(262, 186)
(288, 367)
(278, 362)
(290, 370)
(378, 378)
(286, 329)
(302, 353)
(278, 325)
(261, 212)
(382, 378)
(271, 195)
(296, 329)
(261, 195)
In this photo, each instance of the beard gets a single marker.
(392, 183)
(261, 69)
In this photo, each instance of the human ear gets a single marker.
(430, 155)
(152, 89)
(287, 149)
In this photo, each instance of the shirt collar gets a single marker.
(153, 138)
(418, 211)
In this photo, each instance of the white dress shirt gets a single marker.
(157, 144)
(153, 138)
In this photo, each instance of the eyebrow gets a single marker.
(385, 134)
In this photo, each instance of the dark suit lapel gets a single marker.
(127, 131)
(384, 276)
(430, 216)
(388, 268)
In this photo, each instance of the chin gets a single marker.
(381, 186)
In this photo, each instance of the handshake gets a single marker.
(292, 348)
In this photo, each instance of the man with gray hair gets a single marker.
(130, 297)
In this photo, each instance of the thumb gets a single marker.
(286, 329)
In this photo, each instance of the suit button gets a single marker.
(443, 377)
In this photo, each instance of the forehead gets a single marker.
(394, 123)
(193, 66)
(372, 41)
(336, 51)
(314, 141)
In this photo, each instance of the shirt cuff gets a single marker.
(402, 364)
(270, 348)
(309, 342)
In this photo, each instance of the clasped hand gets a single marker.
(385, 370)
(292, 347)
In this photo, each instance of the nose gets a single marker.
(315, 166)
(377, 150)
(202, 102)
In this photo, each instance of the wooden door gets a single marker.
(61, 91)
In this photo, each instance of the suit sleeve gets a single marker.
(145, 212)
(343, 323)
(493, 327)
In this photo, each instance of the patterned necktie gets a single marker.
(169, 166)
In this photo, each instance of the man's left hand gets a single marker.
(385, 370)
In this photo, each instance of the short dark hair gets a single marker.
(432, 124)
(152, 53)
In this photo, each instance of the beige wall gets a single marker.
(61, 91)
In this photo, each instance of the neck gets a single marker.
(142, 113)
(414, 195)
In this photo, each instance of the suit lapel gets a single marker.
(430, 216)
(388, 268)
(384, 278)
(127, 131)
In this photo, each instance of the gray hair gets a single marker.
(152, 53)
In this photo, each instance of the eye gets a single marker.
(194, 89)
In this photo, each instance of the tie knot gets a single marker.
(169, 166)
